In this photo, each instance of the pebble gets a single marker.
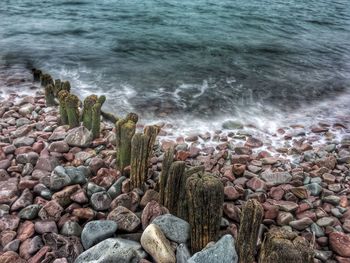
(97, 231)
(71, 228)
(100, 201)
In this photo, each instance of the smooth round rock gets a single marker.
(174, 228)
(97, 231)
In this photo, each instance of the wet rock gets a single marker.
(232, 125)
(71, 228)
(113, 250)
(23, 141)
(125, 219)
(156, 244)
(80, 137)
(59, 146)
(222, 251)
(174, 228)
(100, 201)
(30, 212)
(340, 243)
(42, 227)
(51, 211)
(151, 211)
(97, 231)
(276, 178)
(253, 142)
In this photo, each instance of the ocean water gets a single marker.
(190, 62)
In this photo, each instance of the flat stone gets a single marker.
(113, 250)
(301, 224)
(156, 244)
(222, 251)
(97, 231)
(23, 141)
(325, 221)
(276, 178)
(174, 228)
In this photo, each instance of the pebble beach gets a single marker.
(62, 198)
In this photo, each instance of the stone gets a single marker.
(71, 228)
(31, 157)
(222, 251)
(30, 212)
(301, 224)
(151, 211)
(79, 197)
(11, 257)
(80, 137)
(156, 244)
(116, 189)
(253, 142)
(125, 219)
(150, 195)
(47, 163)
(78, 174)
(25, 230)
(63, 197)
(35, 244)
(325, 221)
(100, 201)
(284, 218)
(9, 222)
(97, 231)
(182, 254)
(59, 179)
(174, 228)
(58, 146)
(113, 250)
(4, 164)
(276, 178)
(24, 200)
(23, 141)
(12, 246)
(8, 191)
(314, 188)
(340, 243)
(51, 211)
(42, 227)
(256, 184)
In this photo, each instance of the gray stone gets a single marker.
(317, 230)
(100, 201)
(94, 188)
(314, 188)
(182, 254)
(222, 251)
(59, 179)
(276, 178)
(232, 125)
(78, 174)
(71, 228)
(24, 158)
(80, 137)
(47, 163)
(116, 188)
(12, 246)
(325, 221)
(113, 250)
(30, 212)
(23, 141)
(97, 231)
(174, 228)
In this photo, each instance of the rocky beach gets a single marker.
(64, 198)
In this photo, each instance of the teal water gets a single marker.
(198, 59)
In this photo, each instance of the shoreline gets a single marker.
(303, 173)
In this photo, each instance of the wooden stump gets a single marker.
(46, 79)
(282, 246)
(205, 198)
(36, 74)
(72, 108)
(96, 120)
(139, 157)
(163, 178)
(50, 96)
(65, 86)
(57, 87)
(173, 185)
(89, 102)
(62, 95)
(125, 130)
(252, 216)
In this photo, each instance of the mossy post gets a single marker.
(139, 157)
(65, 86)
(58, 87)
(62, 95)
(174, 183)
(49, 95)
(36, 74)
(152, 132)
(72, 108)
(46, 79)
(252, 216)
(125, 130)
(96, 120)
(89, 102)
(205, 198)
(163, 178)
(283, 246)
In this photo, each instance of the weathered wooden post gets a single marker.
(89, 102)
(174, 183)
(163, 178)
(62, 95)
(49, 95)
(125, 130)
(283, 246)
(252, 216)
(72, 108)
(205, 198)
(36, 74)
(46, 79)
